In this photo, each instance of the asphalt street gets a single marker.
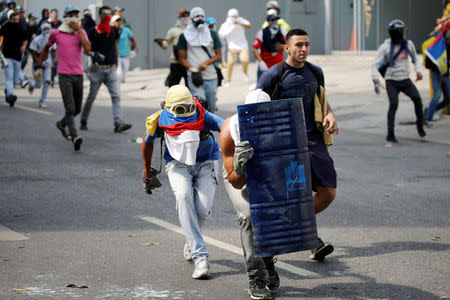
(83, 219)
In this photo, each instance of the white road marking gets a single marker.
(228, 247)
(39, 111)
(7, 234)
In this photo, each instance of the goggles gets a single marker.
(104, 15)
(184, 108)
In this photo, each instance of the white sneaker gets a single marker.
(42, 105)
(187, 252)
(201, 268)
(246, 78)
(226, 84)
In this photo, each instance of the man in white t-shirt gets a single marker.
(233, 33)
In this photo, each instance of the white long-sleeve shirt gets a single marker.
(400, 70)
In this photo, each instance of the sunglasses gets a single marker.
(181, 109)
(104, 15)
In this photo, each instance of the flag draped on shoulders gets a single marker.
(173, 124)
(435, 49)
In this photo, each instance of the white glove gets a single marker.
(262, 66)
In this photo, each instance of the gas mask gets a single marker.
(199, 22)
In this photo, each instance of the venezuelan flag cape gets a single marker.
(173, 124)
(435, 49)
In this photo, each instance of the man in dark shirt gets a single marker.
(300, 79)
(14, 42)
(104, 40)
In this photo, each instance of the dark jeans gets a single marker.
(393, 88)
(71, 87)
(177, 71)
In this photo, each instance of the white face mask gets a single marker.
(272, 11)
(184, 21)
(65, 26)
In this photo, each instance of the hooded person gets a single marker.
(260, 270)
(177, 71)
(191, 157)
(87, 22)
(233, 33)
(198, 49)
(42, 75)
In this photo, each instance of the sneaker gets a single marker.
(30, 89)
(122, 127)
(319, 253)
(391, 138)
(258, 289)
(428, 124)
(201, 270)
(42, 105)
(273, 280)
(83, 125)
(24, 83)
(246, 78)
(187, 253)
(63, 130)
(226, 84)
(77, 143)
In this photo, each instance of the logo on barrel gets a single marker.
(295, 178)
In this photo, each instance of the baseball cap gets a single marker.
(70, 8)
(114, 18)
(182, 12)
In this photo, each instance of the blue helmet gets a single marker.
(210, 21)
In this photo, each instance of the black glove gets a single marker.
(150, 183)
(97, 57)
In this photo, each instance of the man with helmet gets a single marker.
(177, 71)
(191, 156)
(273, 8)
(392, 62)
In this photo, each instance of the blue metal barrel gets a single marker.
(278, 177)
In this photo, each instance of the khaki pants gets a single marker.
(232, 58)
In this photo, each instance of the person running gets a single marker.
(260, 270)
(13, 42)
(392, 56)
(70, 40)
(177, 71)
(41, 70)
(233, 33)
(298, 78)
(126, 36)
(273, 8)
(199, 48)
(104, 39)
(191, 156)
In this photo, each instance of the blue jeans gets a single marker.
(207, 90)
(111, 80)
(12, 75)
(45, 82)
(440, 84)
(194, 188)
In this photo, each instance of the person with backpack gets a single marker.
(198, 49)
(392, 62)
(297, 78)
(177, 71)
(191, 156)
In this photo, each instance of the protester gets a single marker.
(298, 78)
(273, 8)
(45, 15)
(198, 49)
(233, 33)
(41, 70)
(268, 45)
(70, 40)
(211, 22)
(104, 39)
(126, 35)
(177, 71)
(439, 73)
(260, 270)
(31, 32)
(87, 22)
(191, 156)
(119, 11)
(393, 54)
(13, 42)
(55, 23)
